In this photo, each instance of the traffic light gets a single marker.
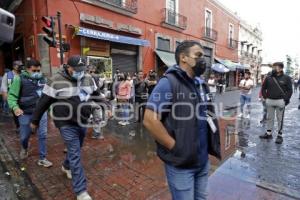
(49, 30)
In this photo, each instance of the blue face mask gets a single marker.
(36, 75)
(78, 75)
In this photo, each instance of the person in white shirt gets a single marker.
(212, 83)
(246, 86)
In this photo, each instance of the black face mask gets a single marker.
(200, 67)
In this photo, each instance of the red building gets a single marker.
(130, 35)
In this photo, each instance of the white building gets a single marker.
(250, 49)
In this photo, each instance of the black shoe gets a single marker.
(266, 136)
(279, 139)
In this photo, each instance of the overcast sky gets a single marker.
(279, 22)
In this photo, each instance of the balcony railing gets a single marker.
(128, 5)
(233, 44)
(209, 33)
(174, 19)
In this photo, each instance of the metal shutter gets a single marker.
(125, 63)
(124, 57)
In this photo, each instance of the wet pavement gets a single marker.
(264, 164)
(6, 187)
(125, 165)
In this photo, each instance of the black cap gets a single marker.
(77, 62)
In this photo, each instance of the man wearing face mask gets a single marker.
(6, 82)
(24, 93)
(176, 116)
(72, 93)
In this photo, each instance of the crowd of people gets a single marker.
(79, 97)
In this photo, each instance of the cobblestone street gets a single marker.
(125, 166)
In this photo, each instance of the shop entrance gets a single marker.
(103, 65)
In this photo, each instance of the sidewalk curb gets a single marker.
(279, 189)
(22, 184)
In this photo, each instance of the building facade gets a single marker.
(130, 35)
(250, 49)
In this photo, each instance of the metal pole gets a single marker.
(61, 51)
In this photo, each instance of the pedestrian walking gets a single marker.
(23, 95)
(182, 141)
(263, 101)
(212, 83)
(246, 86)
(72, 93)
(299, 87)
(220, 84)
(7, 80)
(296, 85)
(151, 81)
(141, 95)
(123, 96)
(98, 114)
(277, 90)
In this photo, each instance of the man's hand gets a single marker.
(18, 112)
(157, 129)
(33, 128)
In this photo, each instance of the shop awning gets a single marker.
(219, 68)
(90, 33)
(227, 63)
(167, 57)
(242, 66)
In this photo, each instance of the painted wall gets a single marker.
(148, 19)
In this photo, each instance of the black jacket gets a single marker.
(69, 107)
(270, 89)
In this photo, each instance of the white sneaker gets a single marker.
(122, 123)
(248, 116)
(45, 163)
(67, 172)
(240, 115)
(84, 196)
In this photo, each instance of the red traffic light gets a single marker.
(48, 21)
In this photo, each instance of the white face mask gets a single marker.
(78, 75)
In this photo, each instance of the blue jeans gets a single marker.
(245, 100)
(188, 184)
(5, 106)
(73, 137)
(125, 111)
(25, 133)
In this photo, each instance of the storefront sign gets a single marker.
(129, 28)
(99, 21)
(111, 37)
(96, 20)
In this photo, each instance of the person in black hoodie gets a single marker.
(73, 94)
(277, 90)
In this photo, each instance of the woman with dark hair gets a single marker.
(123, 96)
